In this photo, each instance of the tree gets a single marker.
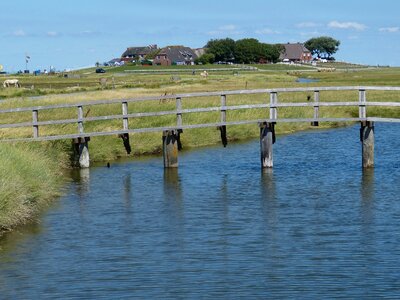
(206, 58)
(248, 51)
(223, 49)
(271, 53)
(323, 46)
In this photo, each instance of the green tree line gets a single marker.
(250, 50)
(246, 51)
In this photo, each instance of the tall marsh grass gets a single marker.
(30, 178)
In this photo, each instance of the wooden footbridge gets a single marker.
(171, 134)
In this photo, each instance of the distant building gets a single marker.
(199, 51)
(115, 62)
(175, 55)
(138, 53)
(295, 53)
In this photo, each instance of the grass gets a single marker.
(28, 177)
(29, 181)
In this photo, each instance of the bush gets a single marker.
(207, 58)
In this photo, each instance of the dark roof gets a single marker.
(178, 53)
(114, 60)
(135, 51)
(293, 51)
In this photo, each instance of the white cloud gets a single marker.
(307, 25)
(266, 31)
(226, 29)
(310, 34)
(353, 37)
(389, 29)
(52, 33)
(346, 25)
(19, 32)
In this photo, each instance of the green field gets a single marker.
(23, 162)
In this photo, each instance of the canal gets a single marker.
(316, 226)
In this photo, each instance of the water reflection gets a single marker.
(267, 181)
(268, 196)
(173, 193)
(172, 185)
(10, 240)
(127, 194)
(367, 185)
(82, 179)
(367, 188)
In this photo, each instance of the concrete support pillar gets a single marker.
(267, 139)
(81, 150)
(368, 144)
(170, 149)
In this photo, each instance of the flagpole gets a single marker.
(27, 58)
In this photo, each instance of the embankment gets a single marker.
(30, 178)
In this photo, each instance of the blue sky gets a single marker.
(72, 34)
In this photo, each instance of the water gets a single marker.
(316, 227)
(306, 80)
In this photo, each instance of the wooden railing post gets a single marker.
(222, 128)
(178, 112)
(273, 99)
(125, 113)
(81, 143)
(316, 108)
(125, 136)
(80, 119)
(35, 126)
(223, 108)
(178, 130)
(362, 99)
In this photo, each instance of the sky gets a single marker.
(73, 34)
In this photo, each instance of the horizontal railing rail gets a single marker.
(272, 104)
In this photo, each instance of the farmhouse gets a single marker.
(138, 53)
(295, 53)
(175, 55)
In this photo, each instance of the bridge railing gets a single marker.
(271, 102)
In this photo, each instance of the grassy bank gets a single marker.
(30, 177)
(31, 173)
